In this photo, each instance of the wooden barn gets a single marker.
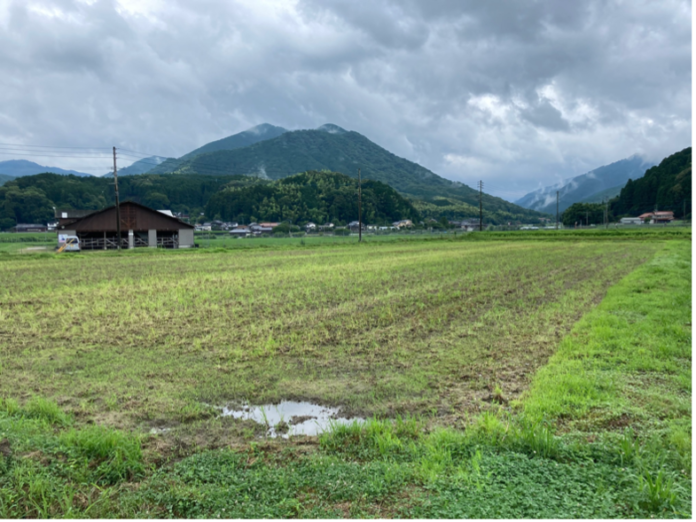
(140, 227)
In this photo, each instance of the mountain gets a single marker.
(584, 186)
(262, 132)
(17, 168)
(5, 178)
(337, 150)
(665, 187)
(320, 197)
(139, 167)
(603, 195)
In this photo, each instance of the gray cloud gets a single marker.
(518, 94)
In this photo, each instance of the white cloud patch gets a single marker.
(519, 94)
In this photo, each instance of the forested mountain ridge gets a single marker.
(334, 149)
(318, 196)
(666, 186)
(587, 186)
(264, 131)
(311, 196)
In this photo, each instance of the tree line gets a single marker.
(317, 196)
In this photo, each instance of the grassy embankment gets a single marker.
(507, 462)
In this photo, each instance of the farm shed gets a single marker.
(140, 227)
(29, 227)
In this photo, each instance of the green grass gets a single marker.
(629, 360)
(27, 243)
(495, 384)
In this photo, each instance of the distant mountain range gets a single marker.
(139, 167)
(273, 153)
(603, 182)
(18, 168)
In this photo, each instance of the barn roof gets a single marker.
(134, 216)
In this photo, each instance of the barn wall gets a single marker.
(185, 238)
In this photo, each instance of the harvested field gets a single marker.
(421, 328)
(497, 379)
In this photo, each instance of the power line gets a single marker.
(44, 155)
(24, 146)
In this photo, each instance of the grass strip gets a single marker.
(627, 363)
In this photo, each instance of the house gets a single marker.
(404, 223)
(262, 228)
(631, 221)
(326, 226)
(467, 225)
(65, 217)
(140, 226)
(310, 227)
(665, 216)
(355, 225)
(25, 227)
(240, 231)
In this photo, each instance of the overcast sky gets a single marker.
(517, 93)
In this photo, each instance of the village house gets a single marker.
(404, 223)
(262, 228)
(240, 231)
(665, 216)
(355, 225)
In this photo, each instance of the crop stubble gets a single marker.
(439, 328)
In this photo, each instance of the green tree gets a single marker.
(666, 186)
(583, 214)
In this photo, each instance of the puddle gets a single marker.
(159, 431)
(297, 418)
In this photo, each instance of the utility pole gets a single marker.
(359, 208)
(558, 210)
(118, 206)
(481, 206)
(606, 213)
